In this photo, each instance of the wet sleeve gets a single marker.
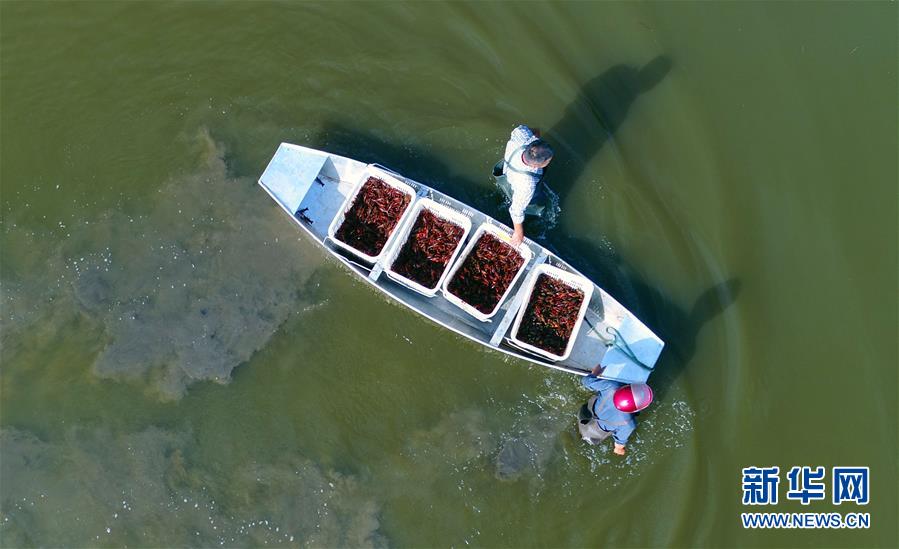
(592, 382)
(598, 384)
(624, 432)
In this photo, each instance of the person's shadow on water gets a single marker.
(678, 327)
(594, 116)
(587, 124)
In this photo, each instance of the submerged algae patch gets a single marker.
(186, 287)
(142, 488)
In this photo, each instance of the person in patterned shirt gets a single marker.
(520, 173)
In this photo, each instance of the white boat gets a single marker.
(312, 187)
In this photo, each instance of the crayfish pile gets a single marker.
(486, 273)
(430, 245)
(372, 217)
(551, 314)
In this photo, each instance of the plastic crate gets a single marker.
(500, 234)
(575, 281)
(388, 178)
(441, 211)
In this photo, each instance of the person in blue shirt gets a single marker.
(608, 413)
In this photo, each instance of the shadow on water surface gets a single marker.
(592, 119)
(677, 327)
(587, 124)
(408, 160)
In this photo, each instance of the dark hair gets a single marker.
(538, 152)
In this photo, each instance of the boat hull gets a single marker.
(311, 186)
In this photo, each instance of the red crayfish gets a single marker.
(551, 314)
(486, 273)
(431, 243)
(373, 216)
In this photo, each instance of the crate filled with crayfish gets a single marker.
(426, 246)
(485, 273)
(552, 311)
(371, 214)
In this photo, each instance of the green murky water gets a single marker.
(181, 367)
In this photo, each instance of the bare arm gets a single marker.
(518, 235)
